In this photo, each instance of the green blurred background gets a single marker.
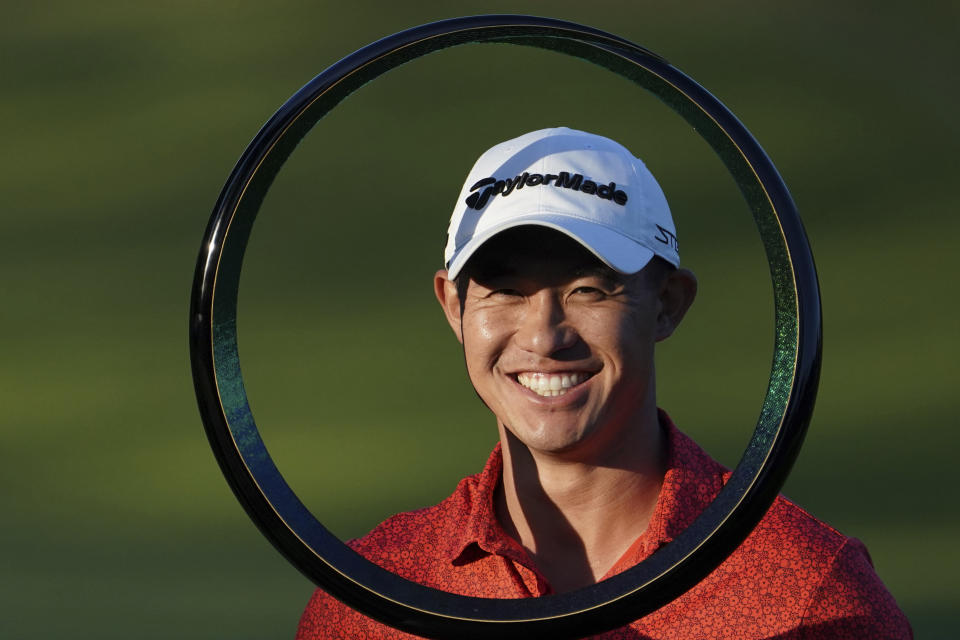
(121, 122)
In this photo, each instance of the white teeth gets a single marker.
(550, 384)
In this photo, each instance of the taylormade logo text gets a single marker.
(479, 195)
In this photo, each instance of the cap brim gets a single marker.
(615, 250)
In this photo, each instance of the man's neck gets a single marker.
(577, 517)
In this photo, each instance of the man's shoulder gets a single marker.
(402, 532)
(422, 534)
(788, 540)
(844, 596)
(413, 544)
(801, 575)
(792, 525)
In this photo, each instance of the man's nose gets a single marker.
(545, 328)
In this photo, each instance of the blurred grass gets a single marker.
(121, 123)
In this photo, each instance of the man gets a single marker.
(562, 273)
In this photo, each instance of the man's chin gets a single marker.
(555, 442)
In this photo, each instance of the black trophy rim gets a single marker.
(382, 595)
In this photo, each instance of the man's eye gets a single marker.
(592, 291)
(505, 292)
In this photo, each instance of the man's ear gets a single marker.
(446, 292)
(677, 292)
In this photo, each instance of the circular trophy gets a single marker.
(611, 603)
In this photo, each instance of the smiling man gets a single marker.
(562, 273)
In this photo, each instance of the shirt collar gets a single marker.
(692, 480)
(690, 484)
(477, 531)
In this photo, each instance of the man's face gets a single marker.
(559, 346)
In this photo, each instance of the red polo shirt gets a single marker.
(793, 577)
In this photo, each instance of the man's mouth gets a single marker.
(551, 384)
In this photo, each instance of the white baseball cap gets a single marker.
(584, 185)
